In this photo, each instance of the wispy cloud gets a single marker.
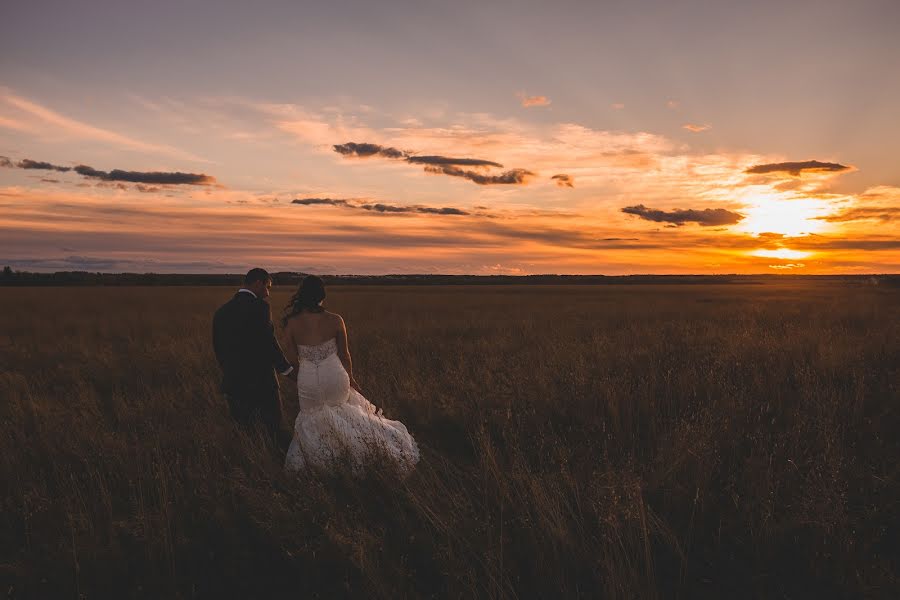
(869, 243)
(16, 125)
(57, 122)
(881, 203)
(864, 213)
(696, 128)
(705, 217)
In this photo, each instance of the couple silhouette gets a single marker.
(336, 427)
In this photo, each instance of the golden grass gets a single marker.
(613, 441)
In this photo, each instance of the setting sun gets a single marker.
(785, 215)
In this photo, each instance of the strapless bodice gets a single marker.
(336, 422)
(318, 353)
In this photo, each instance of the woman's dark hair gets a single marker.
(310, 293)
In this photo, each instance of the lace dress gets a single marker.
(336, 425)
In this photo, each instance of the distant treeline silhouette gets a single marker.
(87, 278)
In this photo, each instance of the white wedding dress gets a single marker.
(337, 425)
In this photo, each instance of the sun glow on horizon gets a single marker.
(789, 216)
(782, 253)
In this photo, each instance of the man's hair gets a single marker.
(257, 274)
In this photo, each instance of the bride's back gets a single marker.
(313, 328)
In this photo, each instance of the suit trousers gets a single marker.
(260, 407)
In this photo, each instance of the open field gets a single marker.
(615, 441)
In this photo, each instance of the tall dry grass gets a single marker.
(620, 442)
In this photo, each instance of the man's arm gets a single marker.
(271, 345)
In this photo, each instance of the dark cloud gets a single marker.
(152, 177)
(87, 171)
(563, 180)
(441, 211)
(386, 208)
(380, 207)
(511, 177)
(27, 163)
(705, 217)
(36, 164)
(319, 201)
(441, 165)
(429, 210)
(48, 180)
(365, 150)
(447, 160)
(795, 168)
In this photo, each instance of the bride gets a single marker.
(335, 422)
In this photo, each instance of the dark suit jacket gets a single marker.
(246, 347)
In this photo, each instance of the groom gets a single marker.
(247, 351)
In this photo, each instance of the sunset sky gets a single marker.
(364, 137)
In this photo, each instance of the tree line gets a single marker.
(11, 277)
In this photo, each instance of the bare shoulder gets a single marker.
(336, 320)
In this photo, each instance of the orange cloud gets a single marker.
(532, 101)
(7, 123)
(693, 128)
